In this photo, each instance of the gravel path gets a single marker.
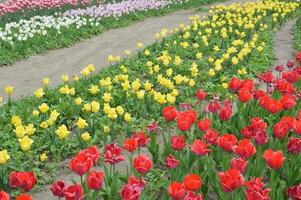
(25, 76)
(283, 46)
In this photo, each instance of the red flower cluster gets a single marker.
(256, 130)
(112, 154)
(132, 190)
(254, 190)
(191, 184)
(24, 180)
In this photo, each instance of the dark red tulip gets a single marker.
(214, 106)
(58, 189)
(281, 129)
(294, 192)
(290, 64)
(193, 196)
(294, 145)
(225, 113)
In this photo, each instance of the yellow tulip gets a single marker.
(62, 132)
(4, 157)
(25, 143)
(85, 136)
(9, 90)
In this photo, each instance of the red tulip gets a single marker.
(247, 132)
(185, 120)
(234, 84)
(92, 152)
(291, 76)
(211, 137)
(192, 182)
(130, 193)
(95, 180)
(294, 192)
(141, 138)
(284, 87)
(290, 64)
(171, 162)
(247, 84)
(244, 149)
(178, 142)
(132, 190)
(279, 68)
(258, 124)
(291, 121)
(274, 106)
(274, 159)
(227, 141)
(259, 94)
(214, 106)
(288, 102)
(267, 77)
(199, 147)
(298, 57)
(200, 95)
(130, 144)
(225, 113)
(176, 191)
(244, 95)
(281, 129)
(254, 190)
(294, 145)
(204, 125)
(297, 127)
(24, 180)
(4, 195)
(74, 192)
(152, 127)
(80, 164)
(113, 154)
(260, 137)
(23, 197)
(169, 113)
(142, 164)
(193, 196)
(58, 188)
(239, 164)
(231, 180)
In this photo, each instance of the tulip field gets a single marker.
(202, 113)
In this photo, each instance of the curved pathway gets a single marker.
(25, 76)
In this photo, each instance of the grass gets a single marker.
(297, 34)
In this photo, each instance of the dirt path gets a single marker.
(25, 76)
(283, 46)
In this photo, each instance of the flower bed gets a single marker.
(96, 108)
(209, 151)
(297, 34)
(35, 34)
(13, 6)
